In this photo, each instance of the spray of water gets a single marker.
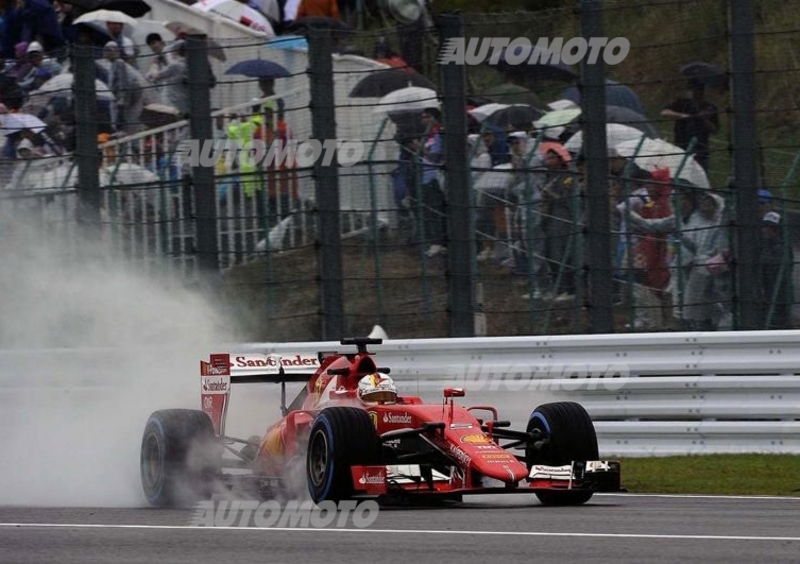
(89, 347)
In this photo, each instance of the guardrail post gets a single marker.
(745, 182)
(86, 151)
(326, 184)
(598, 229)
(199, 80)
(460, 220)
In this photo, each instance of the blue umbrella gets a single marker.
(258, 68)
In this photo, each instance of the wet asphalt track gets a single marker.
(611, 528)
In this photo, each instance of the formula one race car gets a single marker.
(349, 435)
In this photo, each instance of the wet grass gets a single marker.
(721, 474)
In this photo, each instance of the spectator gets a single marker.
(125, 44)
(42, 68)
(696, 119)
(651, 253)
(558, 222)
(318, 9)
(128, 96)
(495, 140)
(26, 20)
(775, 272)
(157, 46)
(430, 150)
(703, 248)
(174, 78)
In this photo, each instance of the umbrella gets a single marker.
(518, 116)
(60, 86)
(107, 16)
(238, 12)
(408, 99)
(181, 30)
(156, 115)
(616, 133)
(557, 118)
(134, 8)
(484, 111)
(657, 153)
(11, 123)
(616, 95)
(380, 83)
(620, 114)
(144, 28)
(258, 68)
(614, 114)
(707, 74)
(534, 71)
(510, 93)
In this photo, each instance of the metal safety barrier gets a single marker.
(649, 394)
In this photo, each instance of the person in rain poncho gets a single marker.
(701, 256)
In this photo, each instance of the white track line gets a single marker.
(703, 496)
(395, 531)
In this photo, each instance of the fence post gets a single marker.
(326, 184)
(86, 122)
(198, 73)
(745, 164)
(598, 229)
(460, 220)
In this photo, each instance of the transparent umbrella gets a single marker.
(657, 153)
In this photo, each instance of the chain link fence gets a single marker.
(674, 205)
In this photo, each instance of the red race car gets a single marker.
(348, 434)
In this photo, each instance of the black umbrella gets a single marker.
(515, 63)
(626, 116)
(133, 8)
(380, 83)
(518, 117)
(707, 74)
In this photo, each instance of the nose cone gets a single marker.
(491, 460)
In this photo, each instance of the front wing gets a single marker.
(594, 476)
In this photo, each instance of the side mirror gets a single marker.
(454, 392)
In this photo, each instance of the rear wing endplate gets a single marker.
(224, 369)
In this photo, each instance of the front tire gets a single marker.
(340, 438)
(571, 437)
(180, 457)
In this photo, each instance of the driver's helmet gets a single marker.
(377, 388)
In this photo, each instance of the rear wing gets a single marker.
(224, 369)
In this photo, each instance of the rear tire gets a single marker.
(180, 457)
(340, 437)
(571, 437)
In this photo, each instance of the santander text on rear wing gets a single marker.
(224, 369)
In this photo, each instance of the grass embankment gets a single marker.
(723, 474)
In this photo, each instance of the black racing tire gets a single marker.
(180, 457)
(571, 437)
(340, 437)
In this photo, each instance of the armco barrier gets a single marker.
(655, 393)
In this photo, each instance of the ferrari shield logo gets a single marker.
(374, 418)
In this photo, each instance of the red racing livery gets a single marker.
(348, 434)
